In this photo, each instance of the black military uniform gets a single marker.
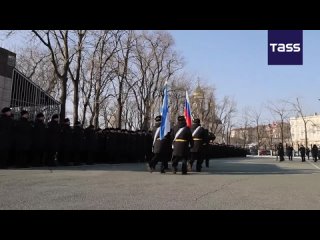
(65, 154)
(197, 151)
(290, 152)
(182, 142)
(308, 152)
(101, 147)
(208, 154)
(159, 147)
(302, 150)
(108, 136)
(6, 140)
(314, 152)
(53, 140)
(39, 141)
(147, 145)
(91, 144)
(281, 152)
(23, 131)
(78, 143)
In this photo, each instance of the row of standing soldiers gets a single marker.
(304, 151)
(182, 143)
(24, 143)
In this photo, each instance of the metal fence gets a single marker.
(26, 95)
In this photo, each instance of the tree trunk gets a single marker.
(85, 106)
(306, 134)
(75, 101)
(146, 118)
(119, 113)
(282, 137)
(63, 98)
(96, 114)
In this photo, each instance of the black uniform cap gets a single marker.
(6, 109)
(66, 120)
(77, 123)
(40, 115)
(196, 120)
(23, 112)
(158, 118)
(181, 119)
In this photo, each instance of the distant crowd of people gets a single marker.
(303, 152)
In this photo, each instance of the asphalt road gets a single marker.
(235, 183)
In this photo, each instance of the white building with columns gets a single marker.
(298, 130)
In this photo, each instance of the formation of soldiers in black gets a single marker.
(25, 143)
(304, 151)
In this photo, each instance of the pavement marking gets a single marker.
(313, 164)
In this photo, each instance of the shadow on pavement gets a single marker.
(217, 167)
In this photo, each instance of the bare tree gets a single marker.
(57, 42)
(225, 114)
(298, 109)
(121, 84)
(75, 71)
(255, 115)
(35, 64)
(154, 63)
(282, 111)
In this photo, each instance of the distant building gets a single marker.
(298, 130)
(269, 135)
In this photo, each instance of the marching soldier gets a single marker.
(6, 132)
(159, 147)
(23, 130)
(39, 141)
(182, 142)
(53, 140)
(199, 138)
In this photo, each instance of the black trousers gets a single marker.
(91, 157)
(65, 157)
(175, 162)
(4, 158)
(22, 158)
(303, 157)
(37, 157)
(207, 162)
(281, 157)
(50, 158)
(315, 158)
(158, 157)
(77, 157)
(290, 157)
(196, 156)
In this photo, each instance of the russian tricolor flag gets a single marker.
(187, 111)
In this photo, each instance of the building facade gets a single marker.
(298, 130)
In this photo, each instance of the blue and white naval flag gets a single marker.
(165, 116)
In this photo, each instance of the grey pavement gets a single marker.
(234, 183)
